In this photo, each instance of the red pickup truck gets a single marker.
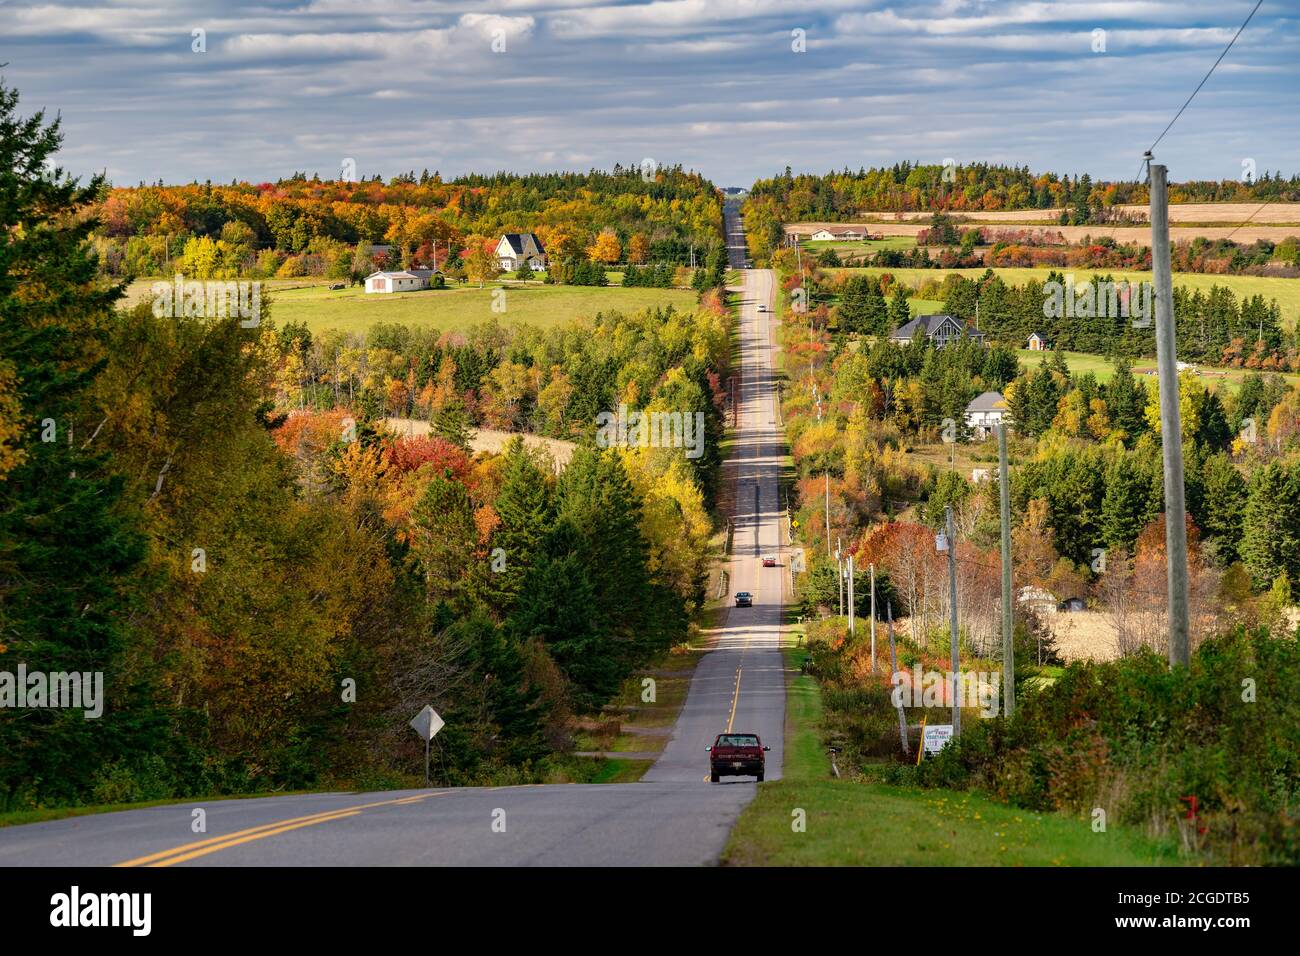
(736, 755)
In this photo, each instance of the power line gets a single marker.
(1146, 159)
(1207, 76)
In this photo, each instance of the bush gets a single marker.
(1135, 738)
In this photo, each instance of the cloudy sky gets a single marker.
(718, 85)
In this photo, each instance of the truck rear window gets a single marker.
(737, 740)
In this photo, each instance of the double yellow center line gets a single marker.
(190, 851)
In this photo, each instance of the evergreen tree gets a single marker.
(451, 422)
(1223, 496)
(524, 506)
(66, 550)
(1270, 543)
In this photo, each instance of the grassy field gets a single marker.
(860, 247)
(1286, 291)
(352, 310)
(849, 823)
(1084, 362)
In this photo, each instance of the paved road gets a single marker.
(674, 816)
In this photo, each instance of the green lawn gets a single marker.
(1286, 291)
(870, 824)
(457, 307)
(861, 247)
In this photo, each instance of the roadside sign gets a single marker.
(935, 736)
(427, 723)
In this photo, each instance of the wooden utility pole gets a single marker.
(893, 663)
(1171, 429)
(952, 619)
(873, 616)
(852, 628)
(828, 509)
(1008, 648)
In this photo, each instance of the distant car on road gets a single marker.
(769, 561)
(744, 599)
(737, 755)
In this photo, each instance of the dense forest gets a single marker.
(843, 195)
(1215, 326)
(309, 226)
(214, 517)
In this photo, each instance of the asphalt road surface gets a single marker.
(674, 816)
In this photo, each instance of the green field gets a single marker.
(861, 247)
(352, 310)
(849, 823)
(1286, 291)
(1084, 362)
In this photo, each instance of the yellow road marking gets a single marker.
(268, 829)
(735, 699)
(251, 837)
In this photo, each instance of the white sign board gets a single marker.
(427, 723)
(936, 736)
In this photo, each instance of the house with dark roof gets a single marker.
(939, 328)
(516, 247)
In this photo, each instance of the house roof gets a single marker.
(516, 241)
(930, 323)
(987, 402)
(405, 274)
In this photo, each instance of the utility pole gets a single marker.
(952, 618)
(893, 664)
(828, 510)
(873, 616)
(1008, 650)
(852, 629)
(1171, 430)
(839, 575)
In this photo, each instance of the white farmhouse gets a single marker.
(984, 413)
(407, 280)
(516, 247)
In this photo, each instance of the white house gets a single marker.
(407, 280)
(985, 412)
(1037, 343)
(515, 247)
(837, 234)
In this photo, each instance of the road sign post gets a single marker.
(427, 723)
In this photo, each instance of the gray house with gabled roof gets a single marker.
(940, 328)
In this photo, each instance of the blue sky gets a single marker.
(713, 84)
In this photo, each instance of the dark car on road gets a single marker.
(744, 599)
(737, 755)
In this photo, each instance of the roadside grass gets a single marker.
(456, 307)
(859, 823)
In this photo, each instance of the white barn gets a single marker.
(407, 280)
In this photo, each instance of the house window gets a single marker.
(381, 285)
